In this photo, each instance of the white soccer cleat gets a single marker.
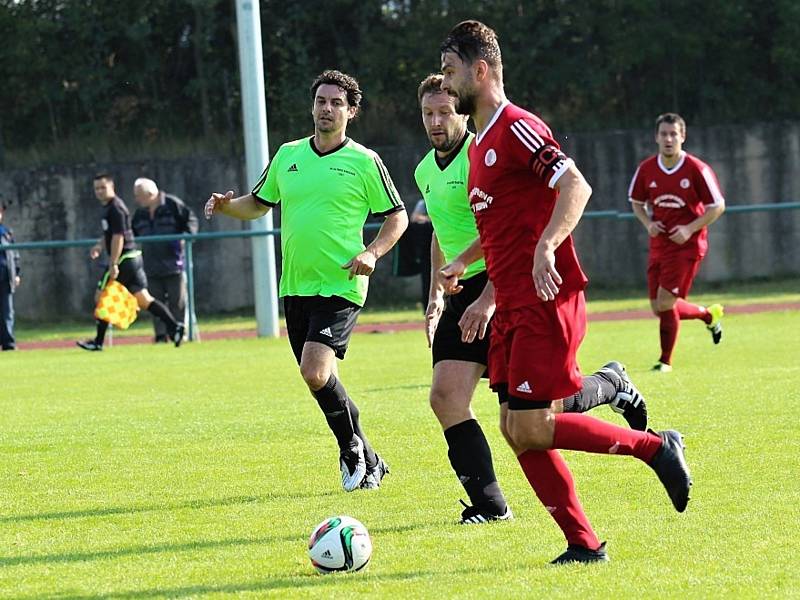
(353, 466)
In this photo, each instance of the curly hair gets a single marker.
(342, 80)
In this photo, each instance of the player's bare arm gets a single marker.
(117, 242)
(436, 292)
(453, 271)
(680, 234)
(245, 207)
(476, 317)
(654, 228)
(364, 262)
(574, 192)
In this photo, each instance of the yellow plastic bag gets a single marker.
(116, 305)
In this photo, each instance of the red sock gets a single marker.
(670, 322)
(575, 431)
(687, 310)
(550, 478)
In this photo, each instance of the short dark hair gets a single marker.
(432, 84)
(104, 175)
(472, 40)
(672, 119)
(344, 81)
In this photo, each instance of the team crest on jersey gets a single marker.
(104, 225)
(685, 183)
(490, 158)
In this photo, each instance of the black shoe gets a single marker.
(472, 515)
(628, 400)
(669, 463)
(372, 480)
(90, 345)
(579, 554)
(177, 336)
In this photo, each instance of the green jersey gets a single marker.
(443, 184)
(325, 199)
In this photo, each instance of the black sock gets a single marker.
(596, 390)
(332, 399)
(102, 326)
(160, 310)
(471, 459)
(369, 454)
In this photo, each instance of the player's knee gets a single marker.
(314, 376)
(439, 400)
(536, 437)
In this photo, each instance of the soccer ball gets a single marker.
(339, 544)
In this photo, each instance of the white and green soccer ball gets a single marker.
(339, 544)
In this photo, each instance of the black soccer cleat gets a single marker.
(579, 554)
(90, 345)
(473, 515)
(669, 463)
(177, 336)
(628, 400)
(372, 480)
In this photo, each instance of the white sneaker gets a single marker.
(353, 466)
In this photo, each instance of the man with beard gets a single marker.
(327, 185)
(458, 324)
(527, 197)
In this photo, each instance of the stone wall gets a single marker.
(755, 164)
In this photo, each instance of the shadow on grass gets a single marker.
(131, 510)
(273, 583)
(114, 553)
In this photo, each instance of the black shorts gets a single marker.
(131, 275)
(325, 320)
(447, 344)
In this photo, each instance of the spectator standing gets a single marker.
(160, 213)
(9, 281)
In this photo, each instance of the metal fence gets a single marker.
(191, 239)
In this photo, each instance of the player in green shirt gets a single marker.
(326, 186)
(459, 357)
(458, 319)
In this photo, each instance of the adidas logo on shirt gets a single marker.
(525, 388)
(675, 291)
(653, 184)
(293, 168)
(427, 188)
(326, 331)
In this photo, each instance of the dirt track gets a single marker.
(389, 327)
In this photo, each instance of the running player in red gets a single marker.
(527, 197)
(676, 197)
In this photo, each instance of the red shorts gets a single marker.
(534, 348)
(673, 274)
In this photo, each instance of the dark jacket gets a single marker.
(9, 258)
(171, 216)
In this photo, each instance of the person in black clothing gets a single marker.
(124, 262)
(9, 281)
(160, 213)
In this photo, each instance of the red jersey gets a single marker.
(676, 196)
(514, 165)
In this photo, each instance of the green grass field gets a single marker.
(148, 472)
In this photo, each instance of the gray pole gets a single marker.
(254, 112)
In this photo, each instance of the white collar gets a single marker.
(494, 118)
(677, 166)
